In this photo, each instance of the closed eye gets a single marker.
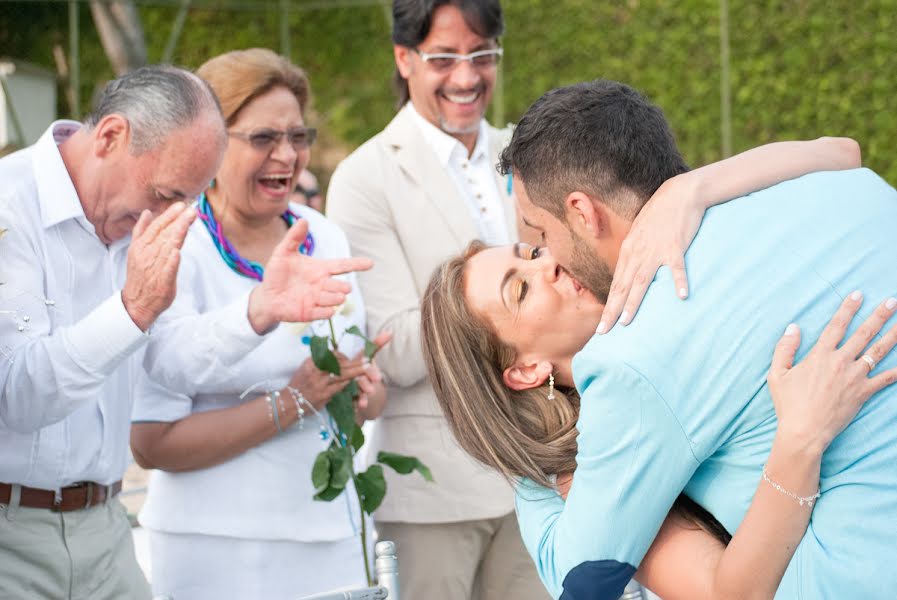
(522, 289)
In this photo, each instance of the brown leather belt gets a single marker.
(74, 497)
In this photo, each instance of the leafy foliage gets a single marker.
(404, 465)
(372, 487)
(334, 468)
(799, 68)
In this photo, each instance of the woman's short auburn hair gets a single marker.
(240, 76)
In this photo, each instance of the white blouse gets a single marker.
(202, 356)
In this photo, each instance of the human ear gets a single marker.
(112, 133)
(527, 375)
(403, 60)
(585, 216)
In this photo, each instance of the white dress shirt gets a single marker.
(65, 337)
(474, 177)
(202, 356)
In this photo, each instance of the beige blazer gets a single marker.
(399, 206)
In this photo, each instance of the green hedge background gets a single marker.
(799, 68)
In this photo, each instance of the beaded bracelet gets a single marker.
(298, 398)
(808, 500)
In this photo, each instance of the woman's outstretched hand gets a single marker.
(299, 288)
(660, 235)
(816, 399)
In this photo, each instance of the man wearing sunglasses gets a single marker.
(411, 197)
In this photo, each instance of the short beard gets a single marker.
(592, 272)
(453, 130)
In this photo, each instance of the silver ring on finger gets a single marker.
(331, 376)
(869, 361)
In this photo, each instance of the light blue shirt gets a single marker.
(678, 400)
(66, 341)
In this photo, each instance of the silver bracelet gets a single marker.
(273, 400)
(298, 398)
(808, 500)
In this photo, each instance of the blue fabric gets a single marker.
(678, 399)
(596, 579)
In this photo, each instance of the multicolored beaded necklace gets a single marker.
(237, 263)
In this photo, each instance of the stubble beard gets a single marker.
(593, 273)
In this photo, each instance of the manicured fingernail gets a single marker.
(891, 303)
(791, 329)
(624, 317)
(602, 327)
(683, 293)
(857, 295)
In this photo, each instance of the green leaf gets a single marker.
(404, 464)
(322, 356)
(340, 467)
(370, 348)
(342, 410)
(357, 438)
(320, 472)
(328, 495)
(354, 330)
(371, 485)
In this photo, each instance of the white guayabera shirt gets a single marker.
(67, 345)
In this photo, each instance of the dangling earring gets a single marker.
(551, 386)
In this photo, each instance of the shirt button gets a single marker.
(479, 196)
(483, 210)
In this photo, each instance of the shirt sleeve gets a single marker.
(48, 371)
(633, 460)
(191, 351)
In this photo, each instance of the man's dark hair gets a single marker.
(599, 137)
(411, 21)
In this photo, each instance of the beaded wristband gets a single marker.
(273, 398)
(298, 398)
(808, 500)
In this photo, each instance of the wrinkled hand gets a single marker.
(153, 260)
(660, 235)
(318, 386)
(299, 288)
(564, 481)
(815, 400)
(372, 391)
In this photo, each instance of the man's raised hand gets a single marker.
(153, 260)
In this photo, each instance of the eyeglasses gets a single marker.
(300, 138)
(446, 61)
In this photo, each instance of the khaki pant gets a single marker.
(79, 555)
(470, 560)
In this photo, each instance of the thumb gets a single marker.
(141, 225)
(783, 358)
(294, 237)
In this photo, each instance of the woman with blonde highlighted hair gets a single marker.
(225, 409)
(501, 326)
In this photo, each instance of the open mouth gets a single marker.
(468, 98)
(277, 183)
